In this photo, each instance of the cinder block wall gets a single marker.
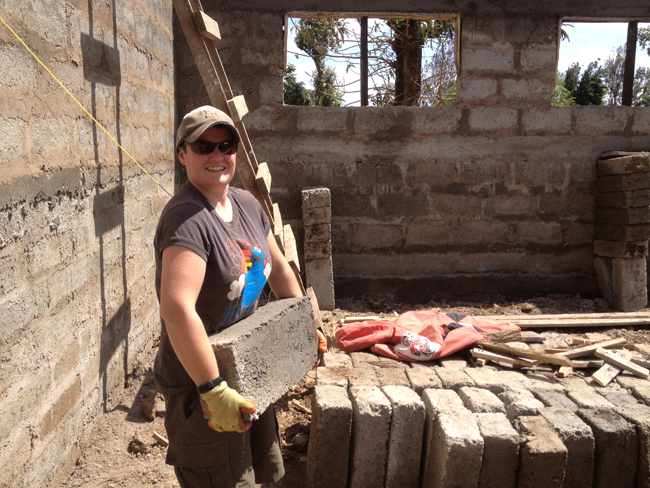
(494, 194)
(77, 297)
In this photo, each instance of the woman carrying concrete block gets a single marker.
(214, 253)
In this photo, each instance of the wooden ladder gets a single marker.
(201, 31)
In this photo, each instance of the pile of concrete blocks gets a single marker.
(623, 228)
(317, 219)
(378, 422)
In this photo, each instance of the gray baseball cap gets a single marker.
(196, 122)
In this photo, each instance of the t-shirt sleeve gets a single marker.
(184, 225)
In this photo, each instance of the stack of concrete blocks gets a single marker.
(623, 229)
(317, 219)
(442, 424)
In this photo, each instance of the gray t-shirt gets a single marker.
(238, 262)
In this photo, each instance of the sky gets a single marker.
(588, 41)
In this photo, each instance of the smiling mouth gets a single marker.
(216, 168)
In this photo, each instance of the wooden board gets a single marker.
(538, 357)
(290, 250)
(588, 350)
(593, 363)
(278, 229)
(238, 108)
(505, 336)
(263, 179)
(490, 356)
(605, 374)
(622, 362)
(207, 26)
(530, 337)
(573, 320)
(564, 371)
(641, 360)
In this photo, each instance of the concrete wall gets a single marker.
(492, 195)
(77, 298)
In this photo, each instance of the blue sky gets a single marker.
(588, 41)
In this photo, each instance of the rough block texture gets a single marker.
(630, 182)
(623, 199)
(370, 433)
(543, 457)
(479, 400)
(406, 434)
(579, 441)
(331, 359)
(423, 376)
(617, 448)
(588, 398)
(639, 415)
(319, 275)
(615, 249)
(453, 443)
(253, 356)
(603, 267)
(453, 379)
(333, 376)
(329, 438)
(555, 399)
(520, 403)
(638, 163)
(630, 284)
(501, 451)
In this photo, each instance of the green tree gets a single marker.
(643, 38)
(295, 92)
(588, 88)
(641, 91)
(561, 95)
(612, 74)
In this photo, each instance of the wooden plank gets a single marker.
(290, 250)
(525, 353)
(296, 272)
(315, 307)
(530, 337)
(605, 374)
(349, 320)
(207, 26)
(564, 371)
(263, 180)
(490, 356)
(593, 363)
(278, 230)
(238, 108)
(622, 362)
(555, 350)
(567, 316)
(480, 362)
(641, 360)
(591, 349)
(505, 336)
(160, 439)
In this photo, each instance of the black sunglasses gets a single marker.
(207, 147)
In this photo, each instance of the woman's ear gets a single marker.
(181, 155)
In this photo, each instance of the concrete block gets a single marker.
(593, 120)
(609, 232)
(520, 402)
(623, 216)
(318, 233)
(630, 284)
(423, 376)
(618, 398)
(478, 400)
(603, 267)
(320, 276)
(629, 182)
(630, 382)
(488, 378)
(548, 121)
(579, 441)
(623, 199)
(331, 359)
(534, 59)
(329, 438)
(618, 249)
(453, 379)
(315, 216)
(438, 120)
(639, 415)
(365, 376)
(492, 118)
(477, 89)
(253, 356)
(555, 399)
(322, 119)
(315, 197)
(406, 434)
(317, 250)
(588, 398)
(333, 376)
(500, 453)
(487, 59)
(526, 89)
(392, 377)
(536, 381)
(542, 456)
(453, 442)
(362, 359)
(453, 361)
(636, 163)
(371, 418)
(642, 393)
(617, 448)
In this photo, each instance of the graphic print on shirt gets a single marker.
(251, 269)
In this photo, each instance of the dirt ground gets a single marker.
(108, 460)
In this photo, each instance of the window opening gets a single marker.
(408, 61)
(593, 60)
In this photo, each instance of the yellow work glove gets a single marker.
(322, 343)
(223, 408)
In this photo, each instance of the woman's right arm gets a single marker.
(183, 272)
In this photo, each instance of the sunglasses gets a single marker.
(207, 147)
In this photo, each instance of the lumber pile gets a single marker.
(607, 357)
(622, 228)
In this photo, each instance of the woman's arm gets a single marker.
(282, 280)
(183, 272)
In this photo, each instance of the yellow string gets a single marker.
(82, 107)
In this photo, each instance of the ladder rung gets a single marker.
(207, 26)
(263, 179)
(238, 108)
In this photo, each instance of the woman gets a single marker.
(214, 253)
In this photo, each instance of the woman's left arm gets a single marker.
(282, 280)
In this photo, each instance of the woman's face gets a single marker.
(209, 173)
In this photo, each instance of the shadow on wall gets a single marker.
(101, 64)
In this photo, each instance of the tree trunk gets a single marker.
(408, 65)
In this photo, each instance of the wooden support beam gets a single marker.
(530, 337)
(505, 336)
(207, 26)
(622, 362)
(538, 357)
(593, 363)
(587, 350)
(238, 108)
(278, 229)
(573, 320)
(263, 179)
(628, 70)
(290, 249)
(490, 356)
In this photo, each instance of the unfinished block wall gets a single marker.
(77, 218)
(495, 193)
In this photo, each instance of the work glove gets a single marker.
(322, 343)
(223, 407)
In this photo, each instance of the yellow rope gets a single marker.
(82, 107)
